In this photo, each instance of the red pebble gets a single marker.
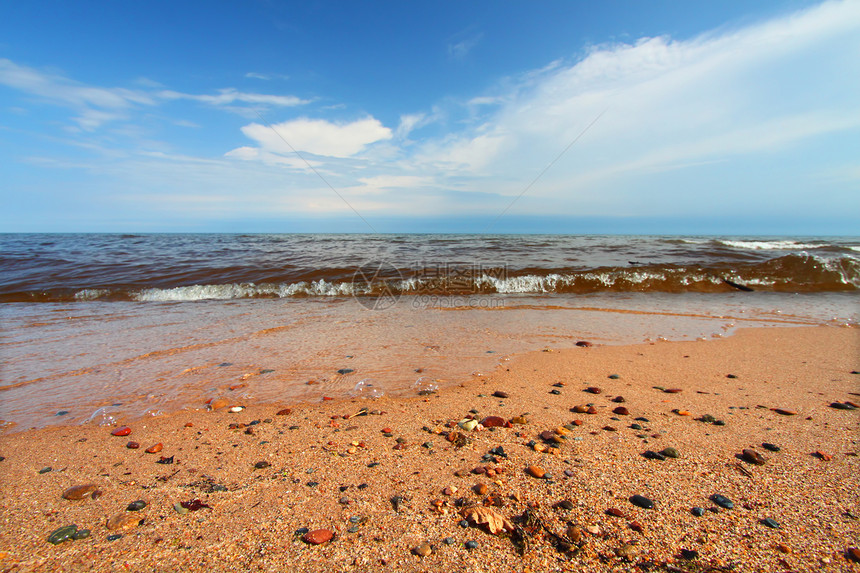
(621, 411)
(155, 448)
(123, 431)
(284, 412)
(132, 445)
(318, 536)
(387, 430)
(493, 422)
(327, 398)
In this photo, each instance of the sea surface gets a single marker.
(104, 327)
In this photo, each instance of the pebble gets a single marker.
(614, 376)
(124, 521)
(689, 554)
(722, 501)
(114, 537)
(154, 449)
(770, 523)
(593, 390)
(853, 554)
(80, 491)
(179, 509)
(784, 412)
(621, 411)
(556, 392)
(449, 541)
(698, 511)
(770, 447)
(132, 445)
(136, 505)
(591, 410)
(493, 422)
(480, 488)
(753, 457)
(823, 456)
(521, 420)
(343, 371)
(672, 390)
(626, 551)
(45, 470)
(471, 544)
(619, 399)
(670, 452)
(218, 403)
(236, 409)
(65, 533)
(581, 409)
(262, 465)
(642, 501)
(500, 394)
(536, 471)
(123, 431)
(615, 512)
(574, 533)
(81, 534)
(842, 406)
(610, 428)
(564, 504)
(318, 536)
(284, 412)
(422, 550)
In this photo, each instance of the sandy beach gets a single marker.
(397, 481)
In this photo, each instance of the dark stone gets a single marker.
(81, 534)
(653, 455)
(262, 465)
(500, 394)
(841, 406)
(614, 376)
(345, 371)
(771, 447)
(449, 541)
(689, 554)
(642, 501)
(697, 511)
(722, 501)
(471, 545)
(45, 470)
(65, 533)
(564, 504)
(770, 523)
(136, 505)
(114, 536)
(753, 457)
(670, 452)
(556, 392)
(301, 531)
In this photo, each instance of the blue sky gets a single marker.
(560, 116)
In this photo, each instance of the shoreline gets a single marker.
(316, 462)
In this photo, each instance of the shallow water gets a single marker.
(100, 361)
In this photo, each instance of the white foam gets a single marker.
(769, 245)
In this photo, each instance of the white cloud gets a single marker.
(460, 49)
(318, 136)
(229, 96)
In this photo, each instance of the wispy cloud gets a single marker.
(318, 137)
(228, 96)
(459, 49)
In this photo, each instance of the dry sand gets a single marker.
(328, 469)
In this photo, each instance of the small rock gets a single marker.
(520, 420)
(154, 449)
(65, 533)
(449, 541)
(784, 412)
(218, 403)
(783, 548)
(284, 412)
(753, 457)
(556, 392)
(81, 534)
(236, 409)
(124, 521)
(770, 523)
(638, 527)
(583, 344)
(689, 554)
(614, 376)
(823, 456)
(423, 550)
(615, 512)
(670, 452)
(564, 504)
(45, 470)
(591, 410)
(626, 551)
(770, 447)
(536, 471)
(500, 394)
(80, 491)
(619, 399)
(621, 411)
(610, 428)
(581, 409)
(642, 501)
(853, 554)
(593, 390)
(136, 505)
(653, 455)
(177, 507)
(574, 533)
(123, 431)
(471, 545)
(480, 489)
(318, 536)
(493, 422)
(262, 465)
(343, 371)
(132, 445)
(842, 406)
(698, 511)
(722, 501)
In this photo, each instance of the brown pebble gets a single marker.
(480, 488)
(621, 411)
(784, 412)
(636, 526)
(479, 470)
(610, 429)
(521, 420)
(853, 553)
(577, 422)
(80, 491)
(189, 425)
(124, 521)
(155, 448)
(448, 491)
(672, 390)
(619, 399)
(218, 404)
(615, 512)
(317, 536)
(574, 534)
(536, 471)
(500, 394)
(753, 457)
(591, 410)
(593, 390)
(132, 445)
(583, 344)
(284, 412)
(582, 409)
(123, 431)
(783, 548)
(387, 430)
(823, 456)
(626, 551)
(422, 550)
(493, 422)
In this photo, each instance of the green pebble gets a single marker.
(670, 453)
(81, 534)
(64, 533)
(179, 509)
(45, 470)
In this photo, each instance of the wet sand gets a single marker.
(264, 476)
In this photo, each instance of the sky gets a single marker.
(663, 117)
